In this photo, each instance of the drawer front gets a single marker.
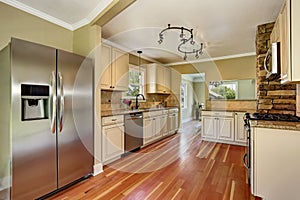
(173, 110)
(112, 120)
(218, 113)
(152, 113)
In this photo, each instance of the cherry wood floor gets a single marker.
(181, 166)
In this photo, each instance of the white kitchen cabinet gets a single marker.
(222, 126)
(290, 41)
(275, 163)
(209, 127)
(158, 79)
(112, 138)
(154, 125)
(225, 128)
(240, 135)
(172, 120)
(115, 65)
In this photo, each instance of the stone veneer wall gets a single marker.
(272, 97)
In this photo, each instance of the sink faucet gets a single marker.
(136, 100)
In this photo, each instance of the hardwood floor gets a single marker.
(181, 166)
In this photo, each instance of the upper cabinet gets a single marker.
(115, 65)
(158, 79)
(289, 41)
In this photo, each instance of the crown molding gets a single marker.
(102, 5)
(212, 59)
(96, 11)
(110, 43)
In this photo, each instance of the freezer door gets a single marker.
(33, 143)
(75, 117)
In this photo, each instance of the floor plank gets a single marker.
(181, 166)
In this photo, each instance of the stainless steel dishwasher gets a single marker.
(133, 131)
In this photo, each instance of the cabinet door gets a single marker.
(160, 79)
(157, 129)
(148, 129)
(285, 43)
(112, 142)
(208, 127)
(120, 68)
(239, 130)
(167, 80)
(106, 68)
(163, 125)
(225, 128)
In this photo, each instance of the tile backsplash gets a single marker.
(112, 100)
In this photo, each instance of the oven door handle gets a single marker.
(244, 161)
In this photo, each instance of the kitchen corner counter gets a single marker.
(124, 112)
(276, 124)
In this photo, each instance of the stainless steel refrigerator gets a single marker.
(51, 122)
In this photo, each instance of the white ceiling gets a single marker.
(70, 14)
(227, 28)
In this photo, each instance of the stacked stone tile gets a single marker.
(272, 97)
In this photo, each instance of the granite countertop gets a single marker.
(124, 112)
(276, 124)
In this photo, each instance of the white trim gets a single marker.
(128, 50)
(212, 59)
(5, 183)
(98, 169)
(96, 11)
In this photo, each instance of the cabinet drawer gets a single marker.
(112, 120)
(152, 113)
(173, 110)
(218, 113)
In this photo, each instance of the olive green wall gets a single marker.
(19, 24)
(228, 69)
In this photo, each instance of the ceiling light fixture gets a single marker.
(184, 39)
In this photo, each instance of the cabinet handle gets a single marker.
(114, 120)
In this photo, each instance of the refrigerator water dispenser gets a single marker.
(34, 102)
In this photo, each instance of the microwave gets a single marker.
(272, 62)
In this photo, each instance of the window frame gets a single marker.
(142, 84)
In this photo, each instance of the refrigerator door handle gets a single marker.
(61, 102)
(52, 102)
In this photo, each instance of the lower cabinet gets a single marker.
(158, 124)
(112, 139)
(220, 128)
(275, 163)
(240, 135)
(172, 121)
(227, 127)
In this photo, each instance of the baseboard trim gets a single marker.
(98, 169)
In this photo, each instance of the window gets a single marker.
(183, 94)
(136, 81)
(223, 89)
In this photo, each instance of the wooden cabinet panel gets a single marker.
(209, 127)
(115, 64)
(112, 142)
(225, 128)
(158, 79)
(275, 165)
(239, 130)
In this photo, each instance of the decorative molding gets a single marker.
(96, 11)
(212, 59)
(110, 43)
